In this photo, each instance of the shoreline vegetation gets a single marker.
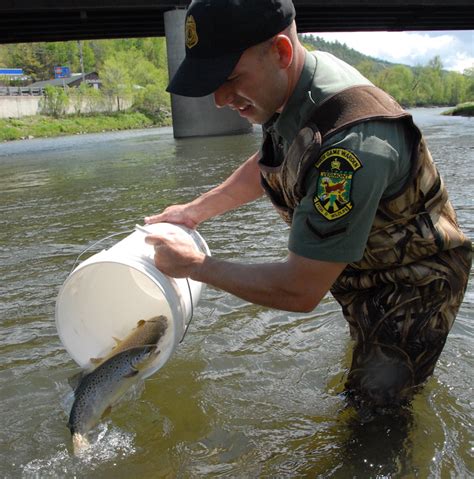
(464, 109)
(133, 75)
(42, 126)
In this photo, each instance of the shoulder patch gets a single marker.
(333, 192)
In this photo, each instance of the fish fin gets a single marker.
(96, 361)
(79, 444)
(117, 341)
(131, 374)
(140, 323)
(107, 411)
(76, 379)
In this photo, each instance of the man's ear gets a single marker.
(284, 49)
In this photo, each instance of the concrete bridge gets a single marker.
(61, 20)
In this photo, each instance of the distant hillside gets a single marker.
(122, 64)
(427, 85)
(342, 51)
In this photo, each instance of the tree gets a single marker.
(368, 68)
(469, 74)
(25, 55)
(434, 75)
(144, 80)
(455, 87)
(152, 101)
(398, 82)
(155, 52)
(54, 101)
(116, 81)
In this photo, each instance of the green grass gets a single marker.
(43, 126)
(463, 109)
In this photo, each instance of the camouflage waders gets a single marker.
(402, 297)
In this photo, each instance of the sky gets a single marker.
(455, 48)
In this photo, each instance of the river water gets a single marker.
(251, 392)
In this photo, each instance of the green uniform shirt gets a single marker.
(381, 150)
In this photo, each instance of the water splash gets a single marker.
(108, 445)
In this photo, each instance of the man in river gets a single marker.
(343, 163)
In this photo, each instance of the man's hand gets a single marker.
(178, 214)
(175, 255)
(240, 188)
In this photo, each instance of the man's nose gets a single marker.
(223, 96)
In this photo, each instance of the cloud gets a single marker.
(456, 49)
(460, 62)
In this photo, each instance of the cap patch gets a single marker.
(191, 32)
(333, 192)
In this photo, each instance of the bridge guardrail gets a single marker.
(20, 91)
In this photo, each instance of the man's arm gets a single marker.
(242, 186)
(295, 284)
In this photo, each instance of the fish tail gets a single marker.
(79, 443)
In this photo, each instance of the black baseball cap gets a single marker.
(216, 34)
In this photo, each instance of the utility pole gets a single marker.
(79, 43)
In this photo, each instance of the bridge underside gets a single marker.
(60, 20)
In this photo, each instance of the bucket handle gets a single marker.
(192, 310)
(139, 228)
(96, 243)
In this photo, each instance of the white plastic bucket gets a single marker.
(106, 295)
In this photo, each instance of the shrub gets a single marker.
(153, 101)
(54, 101)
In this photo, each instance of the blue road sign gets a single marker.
(11, 71)
(62, 72)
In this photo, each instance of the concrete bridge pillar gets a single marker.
(195, 116)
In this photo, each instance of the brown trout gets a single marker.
(99, 390)
(147, 331)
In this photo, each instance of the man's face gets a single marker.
(257, 87)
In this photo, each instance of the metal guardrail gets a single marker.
(20, 91)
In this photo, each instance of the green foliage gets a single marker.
(469, 73)
(398, 82)
(39, 59)
(421, 86)
(26, 56)
(85, 99)
(116, 81)
(54, 102)
(77, 97)
(40, 126)
(455, 88)
(155, 52)
(134, 71)
(464, 109)
(153, 101)
(8, 131)
(130, 74)
(342, 51)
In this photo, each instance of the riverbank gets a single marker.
(44, 126)
(40, 126)
(464, 109)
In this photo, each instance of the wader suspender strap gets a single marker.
(345, 109)
(354, 105)
(285, 184)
